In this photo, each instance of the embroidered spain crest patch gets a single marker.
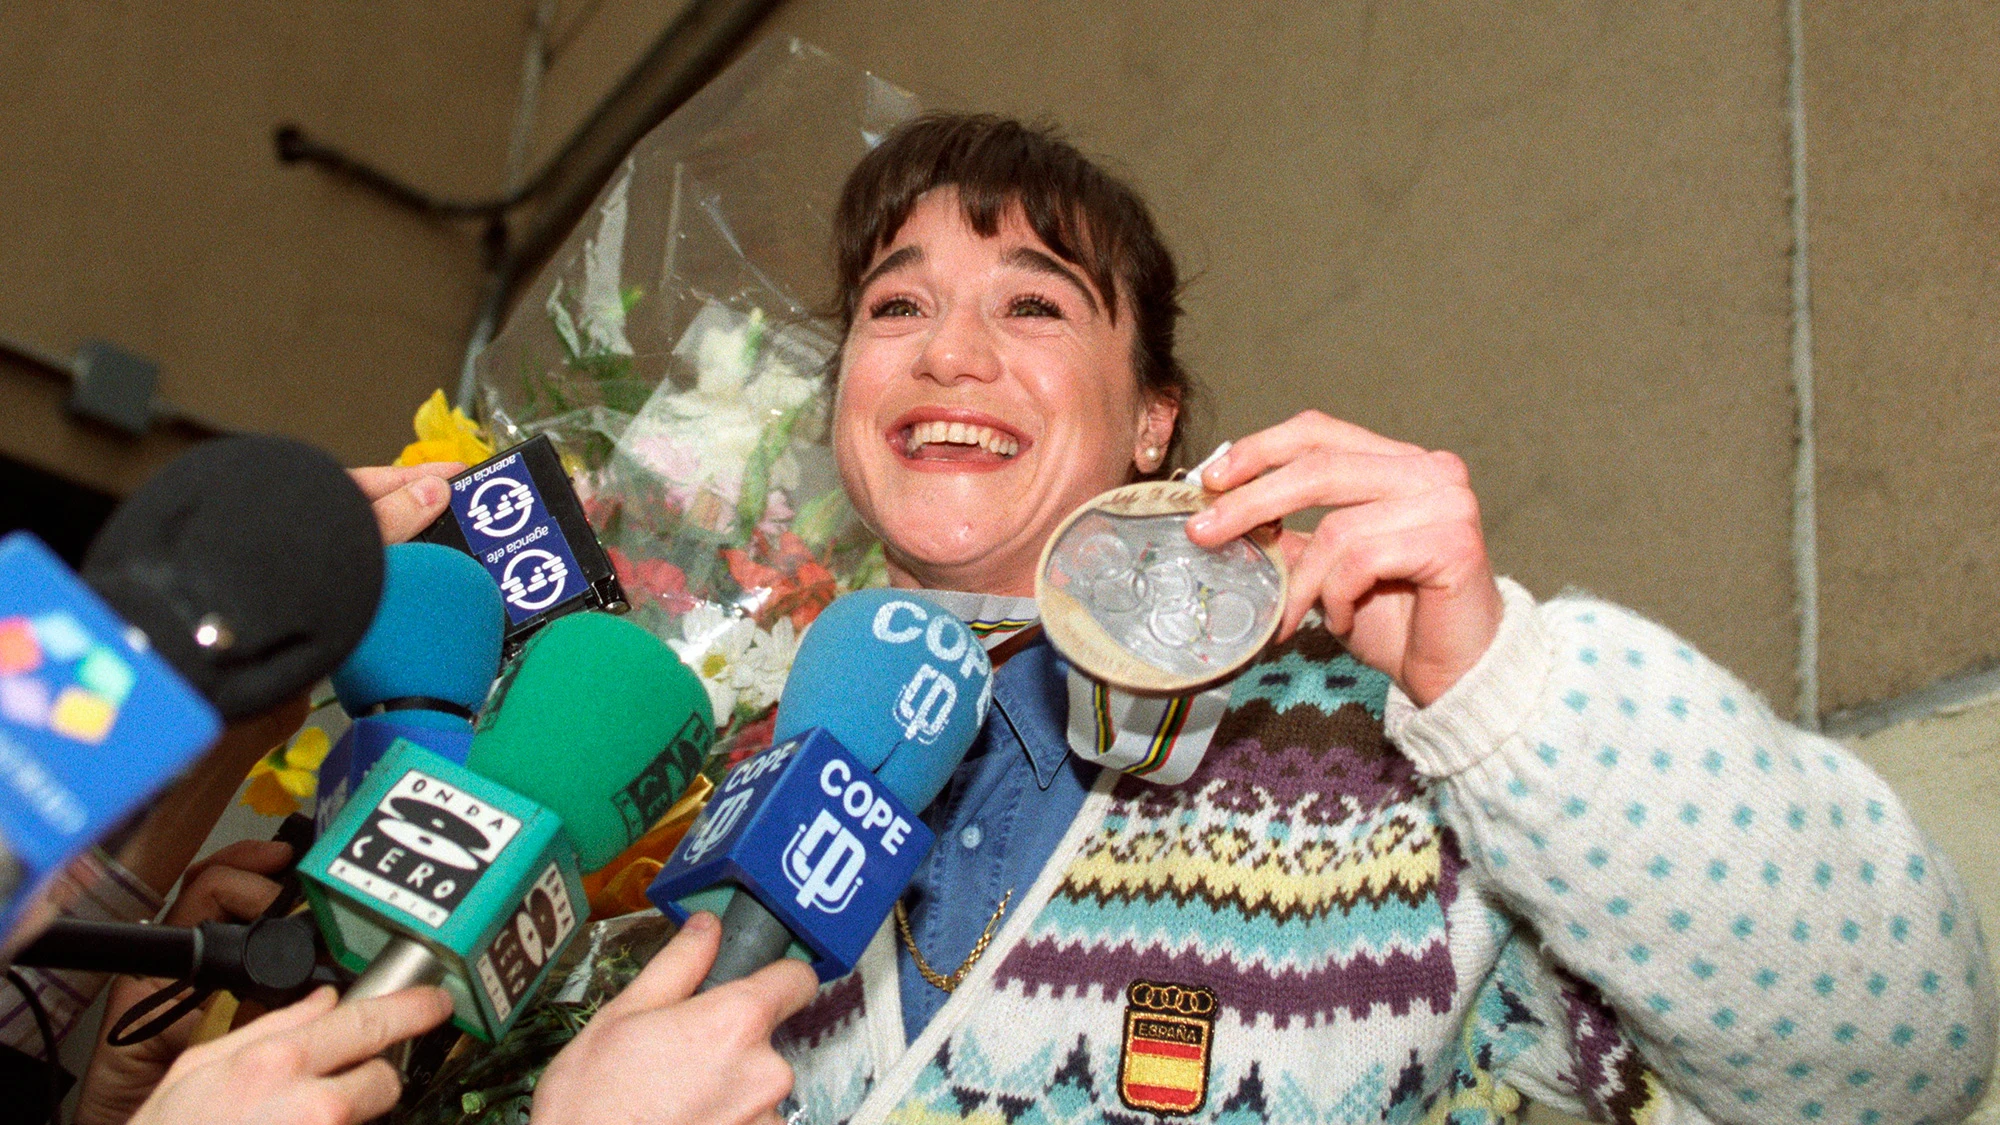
(1169, 1030)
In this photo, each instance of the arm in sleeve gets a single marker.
(1775, 935)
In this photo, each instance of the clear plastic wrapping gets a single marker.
(675, 350)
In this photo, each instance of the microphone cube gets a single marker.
(366, 741)
(812, 834)
(429, 850)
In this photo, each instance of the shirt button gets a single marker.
(971, 836)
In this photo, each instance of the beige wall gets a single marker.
(1550, 237)
(1554, 239)
(1905, 166)
(143, 205)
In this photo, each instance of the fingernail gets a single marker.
(429, 490)
(1216, 461)
(701, 922)
(1200, 522)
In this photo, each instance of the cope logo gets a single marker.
(55, 676)
(536, 932)
(824, 859)
(924, 706)
(423, 847)
(500, 507)
(534, 580)
(719, 819)
(823, 864)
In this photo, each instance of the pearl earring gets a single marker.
(1152, 455)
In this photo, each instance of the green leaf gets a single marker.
(755, 495)
(821, 517)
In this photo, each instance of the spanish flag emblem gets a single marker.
(1168, 1031)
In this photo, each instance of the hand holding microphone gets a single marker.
(231, 884)
(469, 875)
(658, 1053)
(812, 841)
(311, 1062)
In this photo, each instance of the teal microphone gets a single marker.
(470, 876)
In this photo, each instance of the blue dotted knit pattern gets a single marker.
(1773, 931)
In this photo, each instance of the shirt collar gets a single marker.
(1038, 721)
(991, 617)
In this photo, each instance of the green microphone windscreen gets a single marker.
(599, 722)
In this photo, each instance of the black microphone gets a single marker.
(253, 564)
(271, 960)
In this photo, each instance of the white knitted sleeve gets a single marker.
(1774, 933)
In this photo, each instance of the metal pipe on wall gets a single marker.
(689, 51)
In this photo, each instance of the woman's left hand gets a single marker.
(1398, 566)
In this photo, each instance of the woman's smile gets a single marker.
(938, 439)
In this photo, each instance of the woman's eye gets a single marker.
(893, 306)
(1034, 306)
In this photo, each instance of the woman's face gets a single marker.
(984, 393)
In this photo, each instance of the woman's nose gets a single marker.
(959, 348)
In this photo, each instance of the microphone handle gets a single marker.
(752, 937)
(403, 963)
(115, 947)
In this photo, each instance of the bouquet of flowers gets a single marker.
(672, 350)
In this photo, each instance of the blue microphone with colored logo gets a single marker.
(806, 846)
(421, 671)
(92, 720)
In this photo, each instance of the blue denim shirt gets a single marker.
(998, 821)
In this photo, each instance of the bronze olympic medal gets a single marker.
(1128, 599)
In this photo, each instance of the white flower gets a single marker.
(761, 677)
(705, 437)
(717, 646)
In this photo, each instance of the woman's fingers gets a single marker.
(1347, 537)
(1284, 442)
(1324, 477)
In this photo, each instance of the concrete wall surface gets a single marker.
(1550, 237)
(1553, 238)
(1904, 167)
(144, 206)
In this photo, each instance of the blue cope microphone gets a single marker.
(812, 841)
(92, 720)
(421, 671)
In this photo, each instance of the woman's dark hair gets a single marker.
(1088, 218)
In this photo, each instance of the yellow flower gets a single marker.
(444, 433)
(288, 775)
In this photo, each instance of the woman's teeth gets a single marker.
(959, 433)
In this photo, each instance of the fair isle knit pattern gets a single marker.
(1365, 965)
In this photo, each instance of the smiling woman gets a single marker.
(1280, 898)
(982, 376)
(1009, 327)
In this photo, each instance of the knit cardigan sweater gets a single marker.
(1597, 873)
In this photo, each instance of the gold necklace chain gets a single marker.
(957, 976)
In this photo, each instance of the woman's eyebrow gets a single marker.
(901, 259)
(1029, 258)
